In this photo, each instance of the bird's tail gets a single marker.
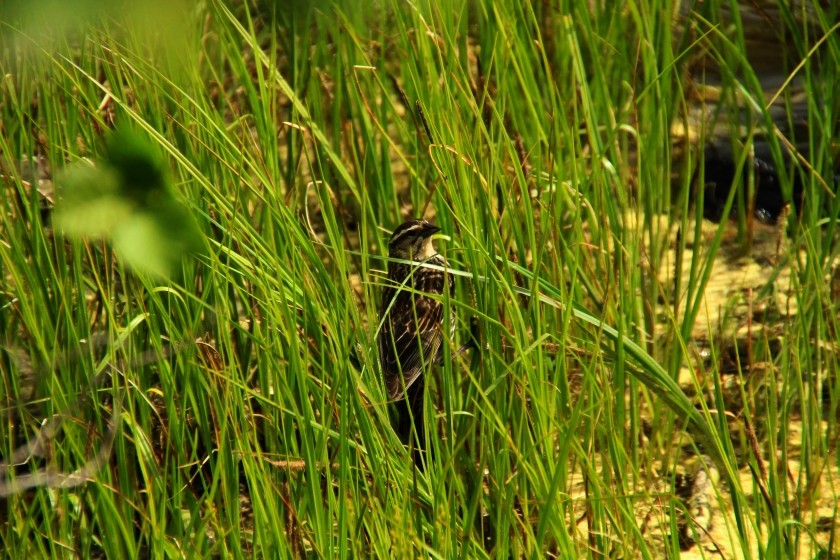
(409, 421)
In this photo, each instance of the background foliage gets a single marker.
(212, 325)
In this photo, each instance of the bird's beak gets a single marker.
(430, 230)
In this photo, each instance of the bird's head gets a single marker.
(413, 241)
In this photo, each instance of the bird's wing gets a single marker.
(408, 342)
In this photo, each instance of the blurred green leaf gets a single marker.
(91, 203)
(127, 198)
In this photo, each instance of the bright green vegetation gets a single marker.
(251, 369)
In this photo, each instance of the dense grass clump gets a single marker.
(196, 204)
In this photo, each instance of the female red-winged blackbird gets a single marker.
(413, 329)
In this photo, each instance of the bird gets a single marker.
(414, 322)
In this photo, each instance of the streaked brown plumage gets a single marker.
(412, 333)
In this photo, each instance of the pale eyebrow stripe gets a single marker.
(403, 233)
